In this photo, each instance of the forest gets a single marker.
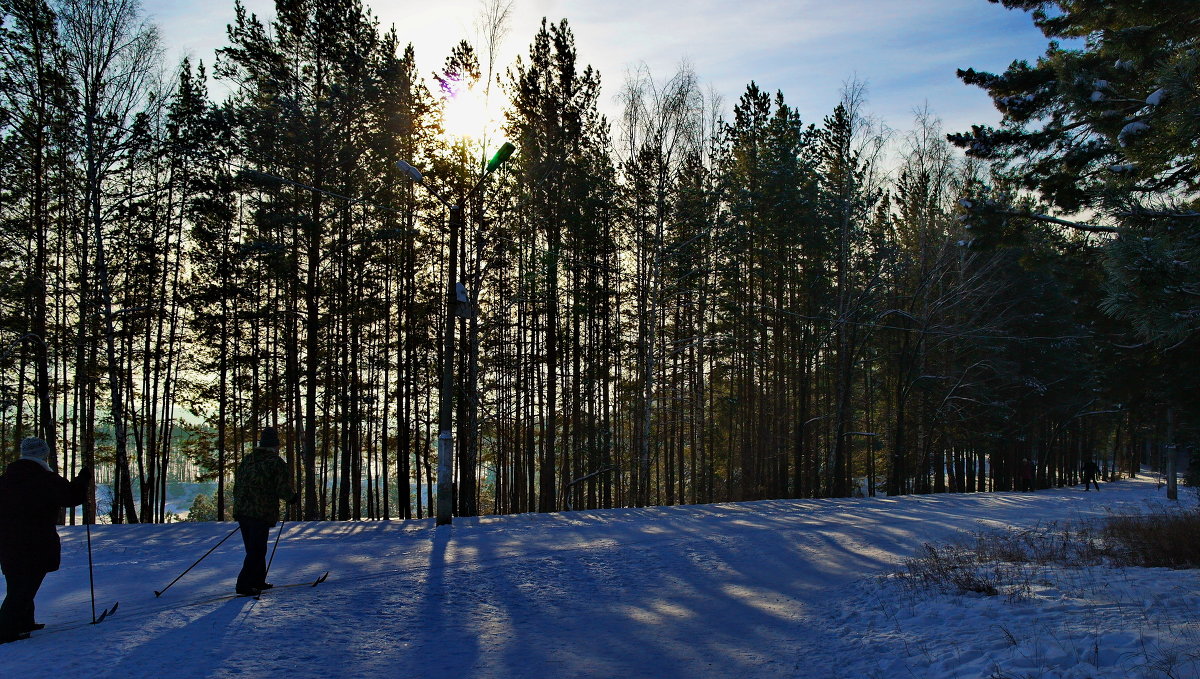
(693, 302)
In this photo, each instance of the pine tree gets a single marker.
(1103, 136)
(202, 136)
(1106, 129)
(111, 53)
(37, 95)
(564, 179)
(302, 108)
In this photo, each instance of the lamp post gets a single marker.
(445, 494)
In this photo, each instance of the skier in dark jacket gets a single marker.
(30, 497)
(1026, 475)
(260, 482)
(1090, 470)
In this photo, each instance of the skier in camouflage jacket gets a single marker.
(260, 483)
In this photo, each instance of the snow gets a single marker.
(1097, 96)
(785, 588)
(980, 147)
(180, 497)
(1077, 624)
(1015, 99)
(1156, 98)
(1131, 130)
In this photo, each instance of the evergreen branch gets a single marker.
(1191, 214)
(1078, 226)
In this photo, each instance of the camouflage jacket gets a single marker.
(260, 483)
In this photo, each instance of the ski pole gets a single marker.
(92, 583)
(159, 593)
(91, 578)
(273, 550)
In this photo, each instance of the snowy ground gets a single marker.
(762, 589)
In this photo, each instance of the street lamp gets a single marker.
(445, 499)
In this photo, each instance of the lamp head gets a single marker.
(501, 156)
(412, 172)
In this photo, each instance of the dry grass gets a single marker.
(953, 568)
(1006, 562)
(1170, 540)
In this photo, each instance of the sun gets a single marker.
(466, 116)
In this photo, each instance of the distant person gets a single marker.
(259, 483)
(1090, 471)
(30, 497)
(1026, 475)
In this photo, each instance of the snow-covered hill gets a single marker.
(761, 589)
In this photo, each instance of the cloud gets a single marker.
(907, 51)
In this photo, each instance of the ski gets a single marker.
(306, 583)
(106, 612)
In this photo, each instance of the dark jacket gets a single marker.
(260, 483)
(30, 497)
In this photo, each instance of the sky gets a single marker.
(760, 590)
(906, 51)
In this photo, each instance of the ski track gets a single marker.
(759, 589)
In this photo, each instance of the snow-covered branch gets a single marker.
(1078, 226)
(1191, 214)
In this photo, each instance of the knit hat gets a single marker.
(35, 449)
(269, 439)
